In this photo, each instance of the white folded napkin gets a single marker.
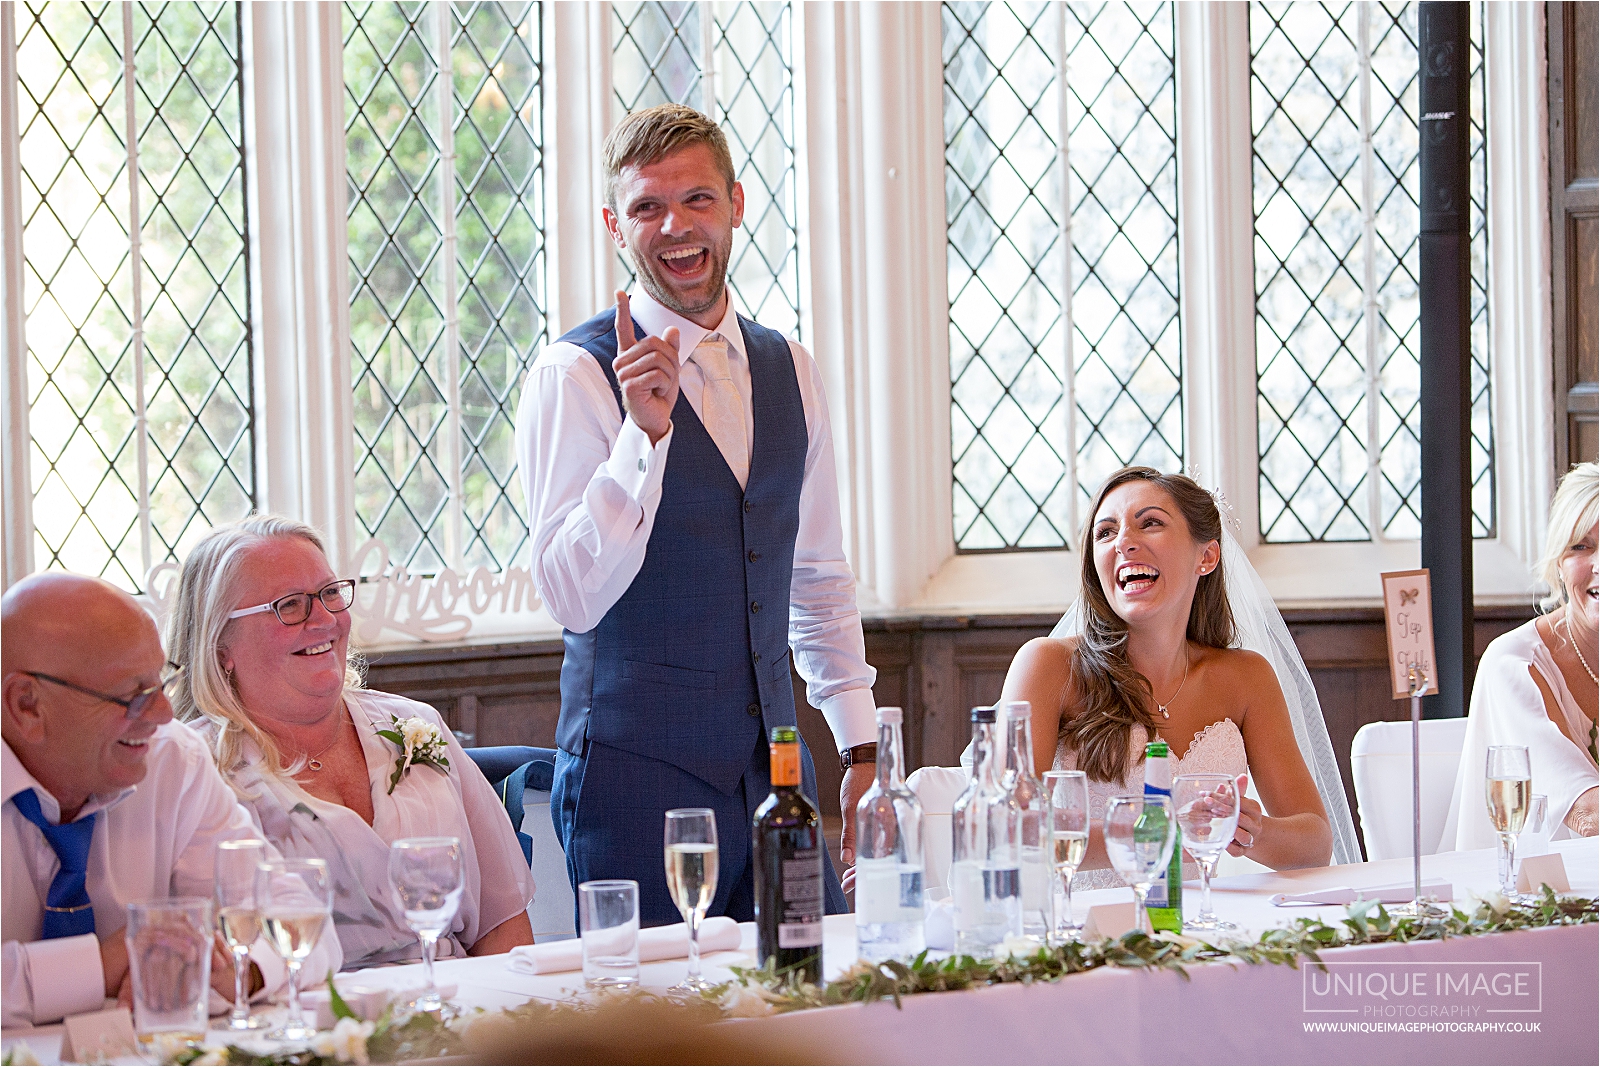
(937, 787)
(1398, 893)
(717, 934)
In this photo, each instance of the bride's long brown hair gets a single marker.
(1114, 696)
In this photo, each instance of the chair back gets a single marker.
(1380, 766)
(521, 776)
(937, 789)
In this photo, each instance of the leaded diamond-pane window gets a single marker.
(447, 266)
(1023, 473)
(660, 51)
(137, 335)
(1336, 272)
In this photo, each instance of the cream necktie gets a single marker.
(721, 410)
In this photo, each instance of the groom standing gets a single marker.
(684, 519)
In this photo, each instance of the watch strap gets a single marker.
(867, 753)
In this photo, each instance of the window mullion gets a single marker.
(1370, 324)
(1069, 398)
(141, 427)
(18, 489)
(708, 58)
(455, 519)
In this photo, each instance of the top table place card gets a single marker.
(1408, 624)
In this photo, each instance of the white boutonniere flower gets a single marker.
(420, 741)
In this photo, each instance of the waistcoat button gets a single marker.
(755, 607)
(754, 710)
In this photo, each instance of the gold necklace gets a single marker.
(1566, 620)
(1162, 708)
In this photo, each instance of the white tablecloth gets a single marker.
(1243, 1014)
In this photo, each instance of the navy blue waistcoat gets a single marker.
(691, 665)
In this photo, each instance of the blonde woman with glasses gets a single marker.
(262, 626)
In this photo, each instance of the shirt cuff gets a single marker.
(853, 718)
(66, 977)
(635, 464)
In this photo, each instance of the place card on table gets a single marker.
(1110, 920)
(98, 1036)
(1536, 871)
(1396, 893)
(1408, 624)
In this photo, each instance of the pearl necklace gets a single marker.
(1566, 620)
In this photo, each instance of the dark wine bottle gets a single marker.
(786, 838)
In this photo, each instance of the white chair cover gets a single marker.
(1380, 764)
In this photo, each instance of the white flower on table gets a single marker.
(745, 1002)
(346, 1042)
(1497, 902)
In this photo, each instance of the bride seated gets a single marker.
(1152, 654)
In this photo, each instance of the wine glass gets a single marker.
(239, 919)
(1208, 814)
(295, 898)
(1507, 789)
(1140, 834)
(427, 876)
(1068, 796)
(691, 855)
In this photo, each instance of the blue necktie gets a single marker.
(67, 911)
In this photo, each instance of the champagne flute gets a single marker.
(1068, 796)
(1508, 787)
(295, 898)
(239, 919)
(691, 855)
(1140, 834)
(1208, 814)
(426, 874)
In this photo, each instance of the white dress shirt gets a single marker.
(593, 484)
(497, 884)
(153, 841)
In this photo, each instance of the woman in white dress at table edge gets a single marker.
(1536, 685)
(1155, 659)
(295, 735)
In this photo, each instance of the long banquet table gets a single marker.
(1219, 1013)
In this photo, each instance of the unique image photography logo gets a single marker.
(1434, 991)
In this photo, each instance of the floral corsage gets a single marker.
(420, 743)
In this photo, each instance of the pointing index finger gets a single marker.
(625, 337)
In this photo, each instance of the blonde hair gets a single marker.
(655, 133)
(205, 595)
(1573, 513)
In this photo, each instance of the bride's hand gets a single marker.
(1250, 818)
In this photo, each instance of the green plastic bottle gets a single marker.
(1165, 899)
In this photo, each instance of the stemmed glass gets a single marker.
(239, 919)
(426, 874)
(1068, 795)
(1507, 790)
(1208, 814)
(691, 857)
(1140, 834)
(295, 898)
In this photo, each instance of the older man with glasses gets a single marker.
(107, 800)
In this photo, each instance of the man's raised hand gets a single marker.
(647, 371)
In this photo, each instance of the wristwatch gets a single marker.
(867, 753)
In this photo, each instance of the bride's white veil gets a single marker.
(1261, 629)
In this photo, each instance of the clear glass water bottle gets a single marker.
(889, 855)
(1033, 807)
(986, 853)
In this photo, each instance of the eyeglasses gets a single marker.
(294, 609)
(135, 704)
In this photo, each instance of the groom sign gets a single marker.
(684, 520)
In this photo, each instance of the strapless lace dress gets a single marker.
(1218, 749)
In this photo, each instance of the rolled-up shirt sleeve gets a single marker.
(46, 981)
(593, 483)
(824, 623)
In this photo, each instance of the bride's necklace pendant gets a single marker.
(313, 764)
(1162, 708)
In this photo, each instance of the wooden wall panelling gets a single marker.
(1573, 31)
(935, 668)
